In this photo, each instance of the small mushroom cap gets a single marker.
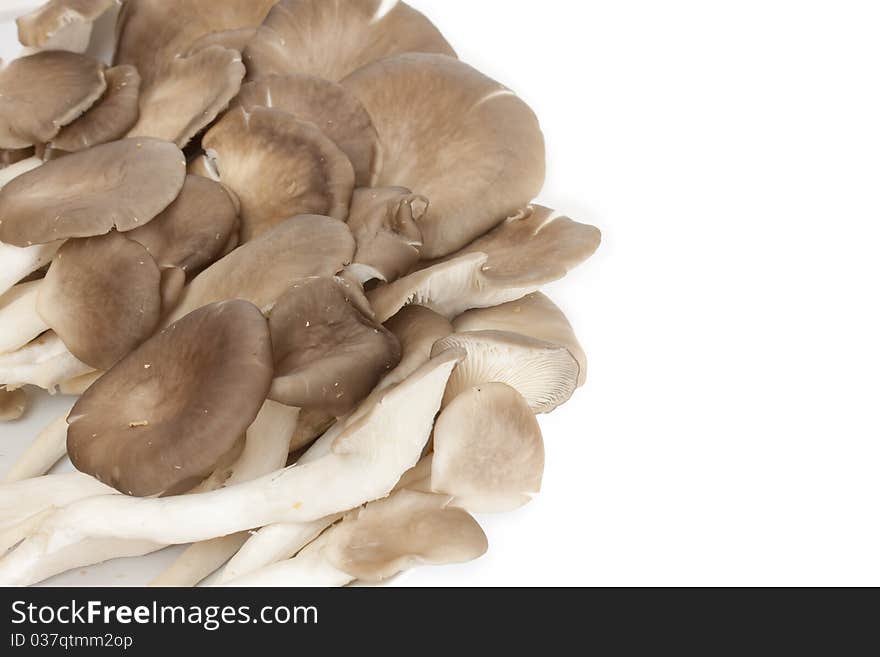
(37, 29)
(405, 530)
(123, 184)
(332, 38)
(107, 120)
(43, 92)
(329, 353)
(464, 141)
(102, 296)
(13, 404)
(488, 450)
(193, 231)
(279, 167)
(536, 316)
(189, 94)
(384, 222)
(264, 269)
(545, 374)
(329, 106)
(170, 410)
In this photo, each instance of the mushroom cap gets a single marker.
(529, 250)
(488, 450)
(43, 92)
(102, 296)
(107, 120)
(402, 531)
(545, 374)
(123, 184)
(263, 269)
(329, 352)
(37, 28)
(417, 329)
(279, 167)
(170, 410)
(329, 106)
(189, 94)
(232, 39)
(536, 316)
(384, 222)
(464, 141)
(13, 404)
(193, 231)
(332, 38)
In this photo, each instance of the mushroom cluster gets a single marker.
(285, 255)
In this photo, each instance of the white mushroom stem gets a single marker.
(48, 448)
(19, 320)
(17, 263)
(44, 362)
(365, 463)
(200, 560)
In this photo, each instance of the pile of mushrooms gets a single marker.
(285, 256)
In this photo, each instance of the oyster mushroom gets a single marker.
(44, 92)
(172, 408)
(417, 329)
(13, 404)
(332, 38)
(329, 353)
(62, 24)
(232, 39)
(123, 184)
(279, 167)
(329, 106)
(526, 252)
(488, 450)
(457, 137)
(108, 119)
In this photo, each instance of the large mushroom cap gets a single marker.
(488, 450)
(329, 352)
(332, 38)
(456, 136)
(194, 230)
(402, 531)
(61, 24)
(108, 119)
(102, 296)
(536, 316)
(545, 374)
(189, 94)
(263, 269)
(43, 92)
(384, 222)
(123, 184)
(328, 105)
(170, 410)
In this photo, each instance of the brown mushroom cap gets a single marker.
(43, 92)
(488, 450)
(108, 119)
(102, 296)
(123, 184)
(456, 136)
(332, 38)
(263, 269)
(232, 39)
(328, 105)
(170, 410)
(534, 315)
(279, 167)
(384, 222)
(329, 352)
(37, 29)
(13, 404)
(400, 532)
(188, 94)
(193, 231)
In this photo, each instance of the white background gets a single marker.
(730, 152)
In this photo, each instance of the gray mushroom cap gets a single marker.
(332, 38)
(170, 411)
(329, 352)
(43, 92)
(122, 185)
